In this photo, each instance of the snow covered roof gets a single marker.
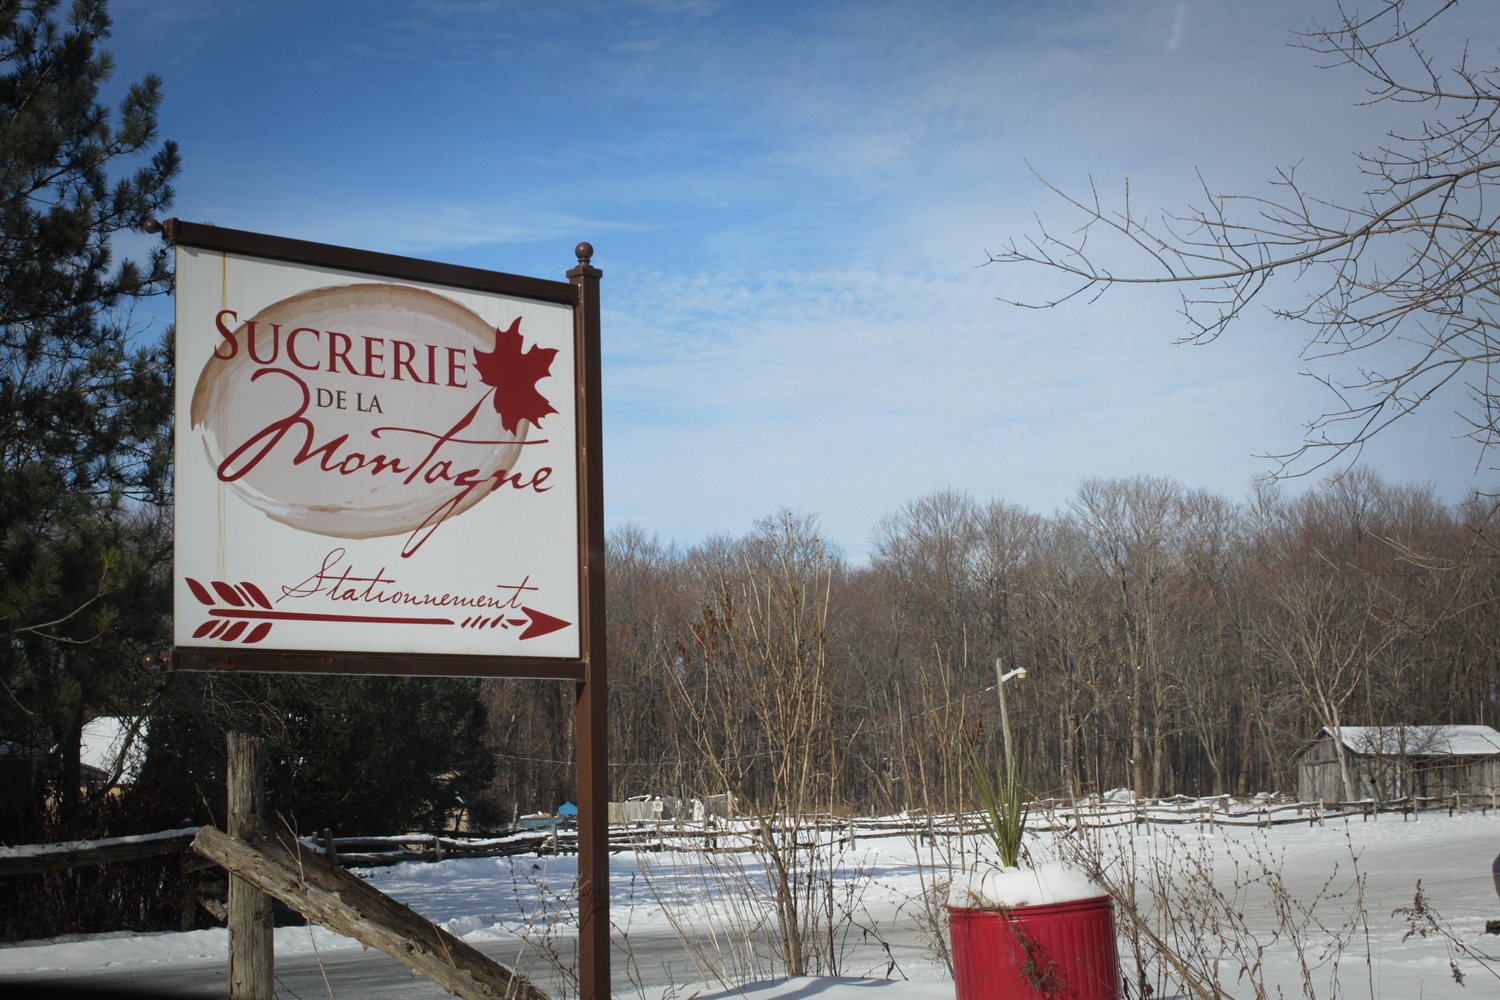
(103, 740)
(12, 749)
(107, 743)
(1461, 741)
(47, 764)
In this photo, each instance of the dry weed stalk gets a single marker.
(1204, 917)
(547, 933)
(1423, 921)
(759, 688)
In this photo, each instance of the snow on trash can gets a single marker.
(1017, 935)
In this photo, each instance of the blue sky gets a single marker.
(791, 203)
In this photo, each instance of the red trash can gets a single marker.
(1057, 951)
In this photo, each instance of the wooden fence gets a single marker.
(742, 835)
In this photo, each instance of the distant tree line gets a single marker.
(1174, 641)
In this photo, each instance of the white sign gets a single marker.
(366, 465)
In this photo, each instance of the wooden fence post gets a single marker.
(301, 877)
(251, 946)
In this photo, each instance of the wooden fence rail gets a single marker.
(726, 836)
(30, 859)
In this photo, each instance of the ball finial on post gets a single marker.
(585, 252)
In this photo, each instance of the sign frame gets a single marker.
(580, 293)
(589, 670)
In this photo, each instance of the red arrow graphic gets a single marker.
(247, 595)
(541, 624)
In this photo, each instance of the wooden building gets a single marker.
(1388, 762)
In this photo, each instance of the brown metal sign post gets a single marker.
(339, 411)
(593, 693)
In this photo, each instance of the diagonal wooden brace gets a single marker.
(278, 865)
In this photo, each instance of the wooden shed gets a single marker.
(1388, 762)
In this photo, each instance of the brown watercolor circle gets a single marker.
(230, 407)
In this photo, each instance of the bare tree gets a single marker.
(758, 686)
(1410, 264)
(1132, 527)
(1207, 605)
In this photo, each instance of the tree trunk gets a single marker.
(1247, 736)
(70, 780)
(1331, 712)
(1137, 732)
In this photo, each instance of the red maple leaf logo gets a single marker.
(514, 375)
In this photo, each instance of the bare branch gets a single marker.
(1417, 264)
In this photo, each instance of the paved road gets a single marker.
(351, 975)
(656, 960)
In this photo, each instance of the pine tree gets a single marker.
(85, 406)
(362, 755)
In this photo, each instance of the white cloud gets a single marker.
(1179, 26)
(702, 8)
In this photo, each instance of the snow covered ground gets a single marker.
(687, 923)
(1364, 872)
